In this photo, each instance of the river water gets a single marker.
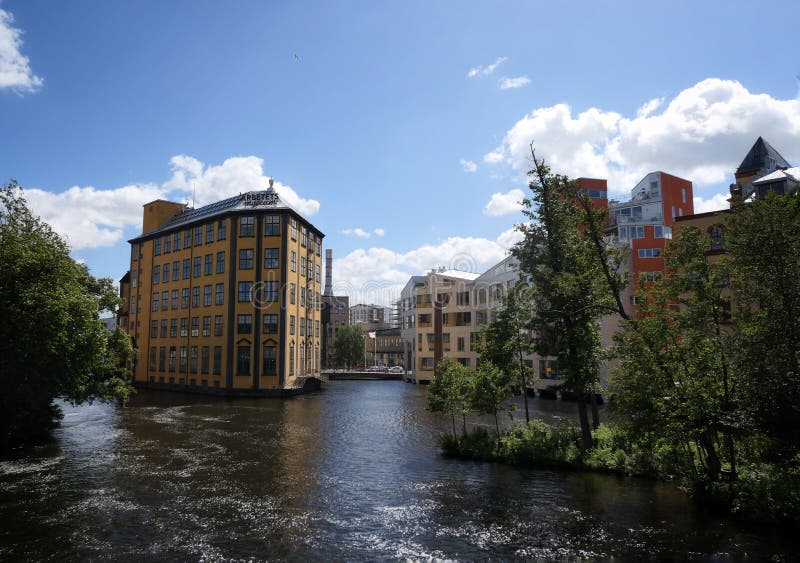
(352, 472)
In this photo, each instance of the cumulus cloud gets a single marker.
(377, 275)
(468, 165)
(504, 203)
(517, 82)
(494, 157)
(478, 71)
(15, 70)
(701, 134)
(714, 203)
(379, 232)
(89, 217)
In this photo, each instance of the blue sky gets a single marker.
(406, 122)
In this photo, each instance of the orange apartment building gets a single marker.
(225, 298)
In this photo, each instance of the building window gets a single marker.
(294, 261)
(246, 227)
(270, 323)
(272, 225)
(291, 358)
(167, 243)
(206, 326)
(243, 360)
(221, 230)
(135, 251)
(246, 259)
(204, 359)
(302, 326)
(176, 241)
(303, 236)
(219, 296)
(173, 328)
(157, 246)
(270, 360)
(683, 195)
(291, 324)
(209, 233)
(217, 360)
(174, 299)
(155, 301)
(165, 273)
(649, 252)
(244, 323)
(302, 266)
(218, 325)
(197, 265)
(208, 266)
(153, 358)
(270, 258)
(187, 238)
(182, 364)
(649, 277)
(172, 358)
(198, 235)
(662, 232)
(163, 328)
(460, 344)
(195, 326)
(245, 292)
(717, 238)
(292, 289)
(156, 274)
(164, 300)
(154, 328)
(270, 291)
(293, 224)
(184, 327)
(187, 269)
(196, 296)
(302, 296)
(207, 296)
(193, 359)
(185, 298)
(548, 369)
(221, 262)
(316, 328)
(176, 271)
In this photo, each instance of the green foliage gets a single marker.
(348, 346)
(569, 290)
(52, 343)
(489, 391)
(450, 391)
(537, 444)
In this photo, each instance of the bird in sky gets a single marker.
(296, 57)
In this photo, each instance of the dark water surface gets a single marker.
(353, 472)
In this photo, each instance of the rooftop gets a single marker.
(760, 155)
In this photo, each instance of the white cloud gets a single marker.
(714, 203)
(495, 156)
(504, 203)
(376, 275)
(379, 232)
(517, 82)
(649, 107)
(468, 165)
(358, 232)
(91, 218)
(15, 70)
(485, 70)
(234, 176)
(701, 135)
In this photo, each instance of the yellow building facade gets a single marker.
(226, 298)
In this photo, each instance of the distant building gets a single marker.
(335, 313)
(371, 317)
(387, 348)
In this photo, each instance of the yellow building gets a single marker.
(225, 297)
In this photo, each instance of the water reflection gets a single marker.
(353, 472)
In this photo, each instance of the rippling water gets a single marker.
(350, 473)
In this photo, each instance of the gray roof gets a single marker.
(759, 155)
(256, 200)
(790, 173)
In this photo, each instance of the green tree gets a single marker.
(450, 392)
(348, 346)
(675, 380)
(764, 248)
(506, 338)
(569, 292)
(52, 343)
(490, 389)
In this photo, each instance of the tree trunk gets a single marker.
(453, 419)
(595, 413)
(497, 429)
(464, 424)
(586, 431)
(713, 464)
(524, 375)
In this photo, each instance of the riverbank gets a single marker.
(760, 495)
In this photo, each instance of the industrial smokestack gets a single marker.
(328, 272)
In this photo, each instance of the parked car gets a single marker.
(397, 369)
